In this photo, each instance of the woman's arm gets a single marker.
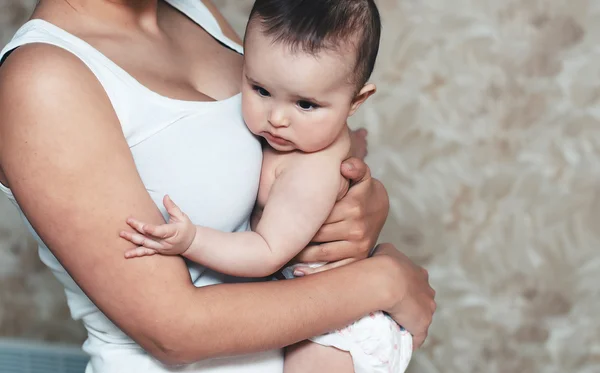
(63, 153)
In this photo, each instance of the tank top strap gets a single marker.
(200, 14)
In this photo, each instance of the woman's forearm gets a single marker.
(234, 319)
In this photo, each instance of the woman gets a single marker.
(92, 92)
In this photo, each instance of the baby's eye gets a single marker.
(261, 91)
(307, 105)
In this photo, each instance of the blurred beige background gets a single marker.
(486, 132)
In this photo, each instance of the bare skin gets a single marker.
(61, 142)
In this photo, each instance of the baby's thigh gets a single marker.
(309, 357)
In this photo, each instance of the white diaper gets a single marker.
(376, 342)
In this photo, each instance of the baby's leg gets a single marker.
(309, 357)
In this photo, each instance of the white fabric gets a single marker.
(376, 343)
(201, 153)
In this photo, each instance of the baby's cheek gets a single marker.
(250, 114)
(318, 137)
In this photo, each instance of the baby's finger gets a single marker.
(141, 240)
(160, 231)
(311, 271)
(171, 207)
(139, 252)
(137, 225)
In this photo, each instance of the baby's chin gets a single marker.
(282, 148)
(290, 146)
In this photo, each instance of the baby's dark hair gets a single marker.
(314, 25)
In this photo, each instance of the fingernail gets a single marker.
(348, 166)
(298, 273)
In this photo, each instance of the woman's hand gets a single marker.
(355, 222)
(413, 302)
(359, 143)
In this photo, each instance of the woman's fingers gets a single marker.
(311, 271)
(350, 238)
(359, 146)
(332, 231)
(139, 252)
(327, 252)
(355, 170)
(415, 304)
(141, 240)
(418, 340)
(362, 132)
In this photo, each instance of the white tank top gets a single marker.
(201, 153)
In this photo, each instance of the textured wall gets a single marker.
(486, 132)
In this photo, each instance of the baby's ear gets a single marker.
(365, 92)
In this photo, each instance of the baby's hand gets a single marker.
(173, 238)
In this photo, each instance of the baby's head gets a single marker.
(306, 68)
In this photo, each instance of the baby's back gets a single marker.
(275, 162)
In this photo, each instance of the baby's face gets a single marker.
(293, 99)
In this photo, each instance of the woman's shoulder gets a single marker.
(42, 89)
(39, 70)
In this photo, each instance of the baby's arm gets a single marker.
(300, 200)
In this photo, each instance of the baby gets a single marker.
(305, 72)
